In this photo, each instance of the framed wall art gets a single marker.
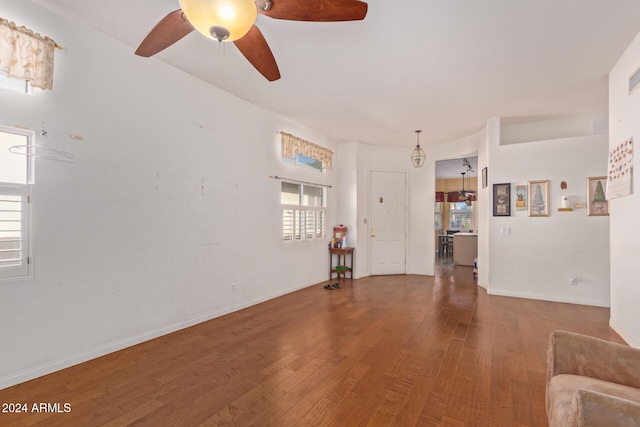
(620, 170)
(538, 198)
(501, 199)
(597, 204)
(521, 197)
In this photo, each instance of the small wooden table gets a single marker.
(342, 262)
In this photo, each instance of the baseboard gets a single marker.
(553, 298)
(623, 334)
(112, 347)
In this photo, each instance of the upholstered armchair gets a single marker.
(591, 382)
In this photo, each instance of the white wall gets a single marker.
(625, 235)
(348, 201)
(168, 217)
(485, 197)
(540, 254)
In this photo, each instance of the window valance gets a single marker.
(292, 145)
(452, 197)
(26, 55)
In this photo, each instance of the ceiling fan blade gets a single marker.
(254, 47)
(317, 10)
(169, 30)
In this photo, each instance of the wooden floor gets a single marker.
(381, 351)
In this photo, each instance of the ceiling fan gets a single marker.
(233, 20)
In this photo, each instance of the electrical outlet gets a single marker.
(573, 280)
(233, 287)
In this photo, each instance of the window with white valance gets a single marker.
(292, 145)
(26, 55)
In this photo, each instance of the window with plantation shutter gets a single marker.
(16, 175)
(303, 212)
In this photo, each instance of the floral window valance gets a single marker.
(26, 55)
(292, 145)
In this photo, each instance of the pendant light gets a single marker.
(418, 156)
(463, 194)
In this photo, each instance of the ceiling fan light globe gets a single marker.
(235, 16)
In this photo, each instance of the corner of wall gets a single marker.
(624, 108)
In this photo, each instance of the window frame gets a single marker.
(453, 211)
(30, 140)
(15, 84)
(305, 162)
(24, 189)
(300, 215)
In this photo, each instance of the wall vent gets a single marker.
(634, 81)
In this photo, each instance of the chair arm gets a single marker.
(570, 353)
(593, 409)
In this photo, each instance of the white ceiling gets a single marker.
(443, 66)
(447, 169)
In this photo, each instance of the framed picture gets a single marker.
(501, 199)
(597, 204)
(484, 177)
(521, 197)
(538, 198)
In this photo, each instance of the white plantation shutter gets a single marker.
(303, 212)
(14, 236)
(291, 220)
(314, 224)
(310, 225)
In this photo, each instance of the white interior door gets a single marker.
(388, 223)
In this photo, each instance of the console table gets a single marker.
(342, 267)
